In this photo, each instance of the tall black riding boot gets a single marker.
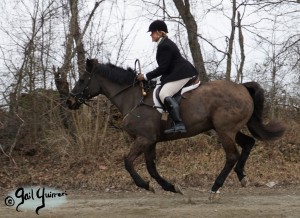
(173, 109)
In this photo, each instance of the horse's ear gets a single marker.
(88, 62)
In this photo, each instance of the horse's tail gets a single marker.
(270, 131)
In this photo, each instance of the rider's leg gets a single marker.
(171, 88)
(166, 93)
(173, 109)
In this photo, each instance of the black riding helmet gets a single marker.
(158, 25)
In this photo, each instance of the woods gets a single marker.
(45, 44)
(63, 34)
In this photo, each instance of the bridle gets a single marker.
(80, 98)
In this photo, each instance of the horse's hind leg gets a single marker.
(136, 150)
(247, 143)
(150, 156)
(232, 155)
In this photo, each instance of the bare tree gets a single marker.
(61, 74)
(191, 26)
(29, 66)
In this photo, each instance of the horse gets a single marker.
(223, 106)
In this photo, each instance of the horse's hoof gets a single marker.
(245, 182)
(178, 189)
(214, 196)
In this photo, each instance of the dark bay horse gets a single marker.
(223, 106)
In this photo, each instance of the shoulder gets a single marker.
(167, 43)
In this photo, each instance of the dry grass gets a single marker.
(192, 162)
(91, 156)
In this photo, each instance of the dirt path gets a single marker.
(235, 202)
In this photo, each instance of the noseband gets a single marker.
(79, 96)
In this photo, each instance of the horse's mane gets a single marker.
(116, 74)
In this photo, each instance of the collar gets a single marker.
(161, 39)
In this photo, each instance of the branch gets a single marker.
(69, 52)
(90, 17)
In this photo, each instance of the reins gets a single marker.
(137, 68)
(137, 62)
(119, 92)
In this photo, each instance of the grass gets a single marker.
(90, 156)
(193, 162)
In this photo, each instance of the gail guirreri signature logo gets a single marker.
(35, 198)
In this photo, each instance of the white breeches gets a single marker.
(171, 88)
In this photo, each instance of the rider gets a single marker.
(175, 72)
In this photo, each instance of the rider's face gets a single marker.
(155, 36)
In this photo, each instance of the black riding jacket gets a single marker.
(171, 65)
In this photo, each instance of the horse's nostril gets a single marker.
(72, 104)
(69, 102)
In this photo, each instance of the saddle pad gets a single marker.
(183, 90)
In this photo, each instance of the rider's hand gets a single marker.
(140, 77)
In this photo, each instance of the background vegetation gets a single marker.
(45, 44)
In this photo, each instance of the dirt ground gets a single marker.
(238, 202)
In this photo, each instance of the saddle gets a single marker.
(190, 85)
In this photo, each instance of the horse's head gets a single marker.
(85, 88)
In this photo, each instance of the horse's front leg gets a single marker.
(139, 146)
(150, 156)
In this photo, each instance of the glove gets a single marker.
(140, 77)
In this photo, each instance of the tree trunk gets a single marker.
(191, 26)
(63, 88)
(239, 77)
(273, 88)
(231, 40)
(76, 32)
(62, 73)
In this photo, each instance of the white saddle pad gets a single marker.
(184, 90)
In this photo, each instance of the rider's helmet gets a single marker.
(158, 25)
